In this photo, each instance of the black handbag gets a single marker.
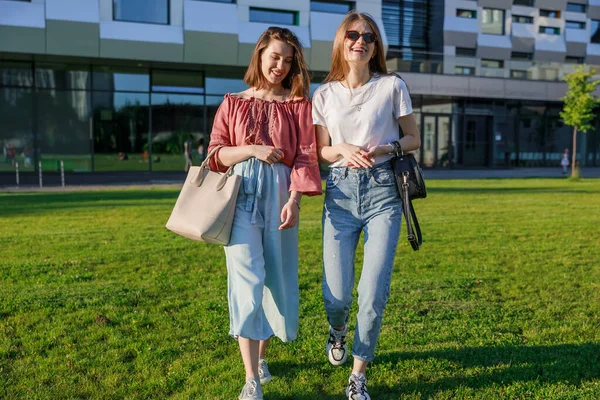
(411, 185)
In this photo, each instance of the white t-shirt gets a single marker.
(366, 116)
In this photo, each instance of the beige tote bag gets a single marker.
(206, 204)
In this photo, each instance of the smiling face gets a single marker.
(359, 51)
(276, 61)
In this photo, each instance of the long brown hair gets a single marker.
(297, 80)
(339, 66)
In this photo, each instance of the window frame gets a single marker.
(520, 17)
(574, 60)
(528, 56)
(583, 7)
(580, 24)
(542, 29)
(351, 6)
(545, 10)
(596, 32)
(296, 15)
(473, 13)
(466, 52)
(524, 3)
(523, 71)
(488, 60)
(463, 68)
(502, 24)
(114, 15)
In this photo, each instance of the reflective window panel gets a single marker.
(121, 126)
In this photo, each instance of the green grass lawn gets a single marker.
(100, 301)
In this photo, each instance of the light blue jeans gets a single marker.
(360, 200)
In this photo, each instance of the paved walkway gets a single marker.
(144, 181)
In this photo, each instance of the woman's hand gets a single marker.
(268, 154)
(355, 156)
(289, 215)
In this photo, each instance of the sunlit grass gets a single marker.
(99, 300)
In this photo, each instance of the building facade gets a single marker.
(122, 85)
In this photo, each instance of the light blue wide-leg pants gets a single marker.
(262, 261)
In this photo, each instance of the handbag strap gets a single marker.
(408, 209)
(199, 178)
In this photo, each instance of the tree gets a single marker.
(579, 104)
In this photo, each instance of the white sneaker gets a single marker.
(251, 390)
(336, 348)
(263, 372)
(357, 388)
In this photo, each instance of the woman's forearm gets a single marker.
(410, 143)
(231, 155)
(328, 154)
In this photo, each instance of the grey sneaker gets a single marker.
(336, 348)
(263, 372)
(251, 390)
(357, 388)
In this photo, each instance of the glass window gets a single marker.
(520, 74)
(177, 123)
(17, 74)
(521, 56)
(522, 19)
(458, 70)
(550, 13)
(64, 129)
(217, 85)
(574, 7)
(573, 60)
(549, 30)
(574, 25)
(527, 3)
(466, 13)
(121, 131)
(121, 79)
(595, 31)
(409, 29)
(177, 81)
(465, 52)
(493, 21)
(16, 129)
(221, 1)
(148, 11)
(486, 63)
(269, 16)
(336, 7)
(56, 76)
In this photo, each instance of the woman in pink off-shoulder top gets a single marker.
(267, 133)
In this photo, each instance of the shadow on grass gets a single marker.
(501, 366)
(476, 368)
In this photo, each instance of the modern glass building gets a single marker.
(121, 85)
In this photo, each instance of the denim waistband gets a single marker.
(345, 171)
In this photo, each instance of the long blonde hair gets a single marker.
(339, 66)
(297, 80)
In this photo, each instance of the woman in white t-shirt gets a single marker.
(356, 113)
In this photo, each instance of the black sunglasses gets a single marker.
(368, 37)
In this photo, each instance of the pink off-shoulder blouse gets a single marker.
(286, 125)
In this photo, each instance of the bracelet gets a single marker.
(295, 201)
(393, 146)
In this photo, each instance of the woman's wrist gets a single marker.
(297, 202)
